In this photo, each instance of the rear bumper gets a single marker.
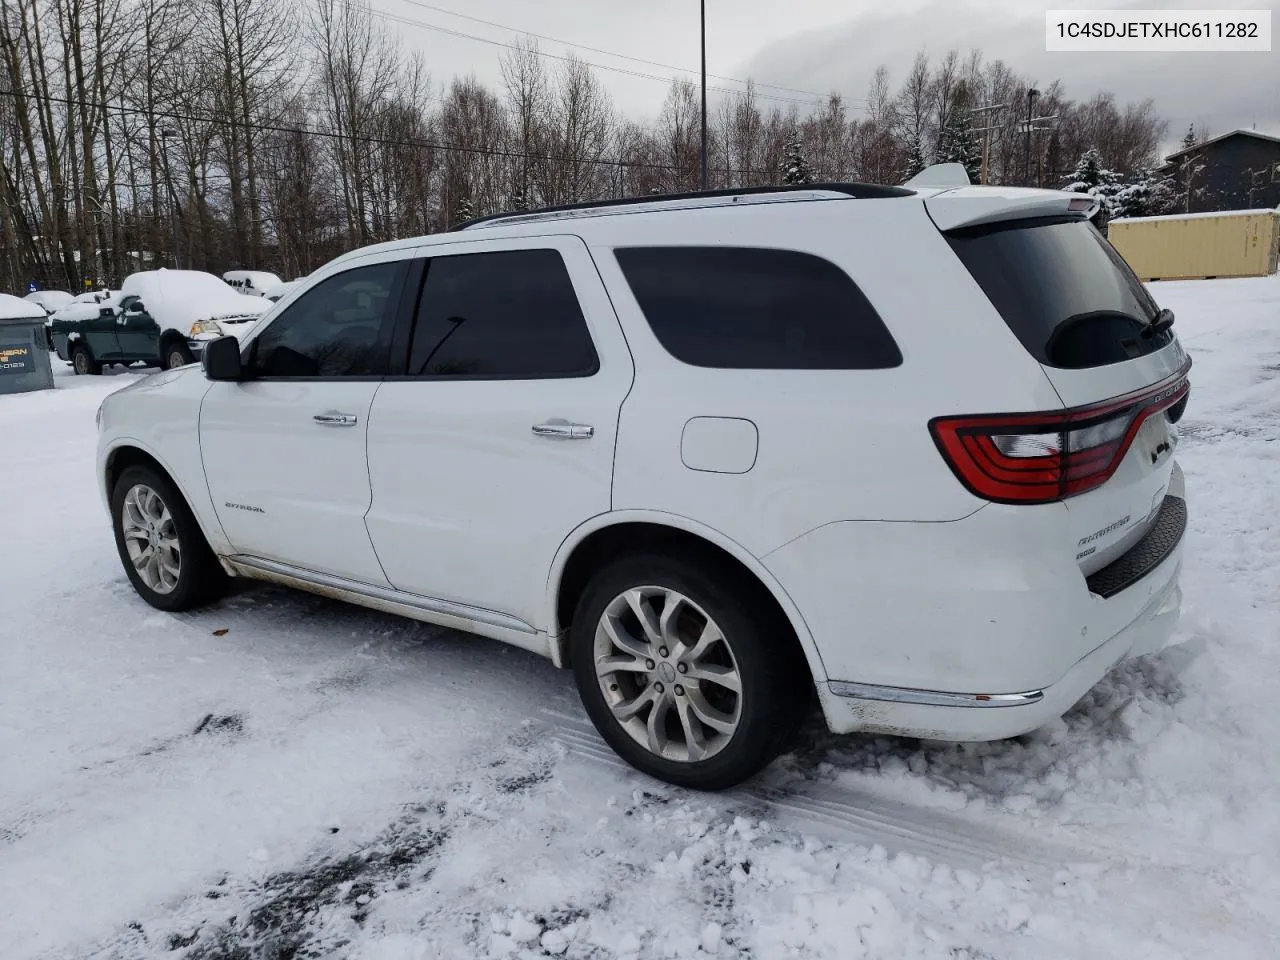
(977, 629)
(905, 712)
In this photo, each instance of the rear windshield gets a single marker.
(1063, 290)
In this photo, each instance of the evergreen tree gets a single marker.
(464, 210)
(519, 202)
(795, 170)
(915, 156)
(958, 143)
(1190, 140)
(1149, 194)
(1093, 178)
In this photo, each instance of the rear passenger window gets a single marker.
(754, 308)
(511, 314)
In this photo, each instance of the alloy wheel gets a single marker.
(668, 674)
(151, 539)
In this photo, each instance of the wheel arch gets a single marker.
(610, 534)
(128, 452)
(166, 339)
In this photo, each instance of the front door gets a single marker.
(99, 334)
(497, 440)
(137, 331)
(284, 450)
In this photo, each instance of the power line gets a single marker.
(607, 53)
(449, 31)
(260, 126)
(327, 134)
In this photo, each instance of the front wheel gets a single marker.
(82, 361)
(160, 543)
(687, 675)
(177, 355)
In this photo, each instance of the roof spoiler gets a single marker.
(977, 206)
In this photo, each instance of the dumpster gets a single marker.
(24, 351)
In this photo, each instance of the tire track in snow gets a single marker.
(838, 813)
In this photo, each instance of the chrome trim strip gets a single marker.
(932, 698)
(445, 608)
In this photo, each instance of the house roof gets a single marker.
(1224, 136)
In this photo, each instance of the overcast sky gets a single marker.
(820, 45)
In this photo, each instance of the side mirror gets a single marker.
(221, 359)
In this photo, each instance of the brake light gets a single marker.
(1044, 457)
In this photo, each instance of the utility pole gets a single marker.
(1026, 144)
(703, 6)
(986, 135)
(165, 134)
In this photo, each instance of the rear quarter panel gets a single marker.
(833, 445)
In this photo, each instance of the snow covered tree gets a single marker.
(519, 202)
(464, 210)
(958, 143)
(1190, 140)
(795, 169)
(1092, 178)
(915, 156)
(1150, 193)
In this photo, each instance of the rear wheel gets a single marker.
(687, 675)
(160, 543)
(177, 354)
(82, 361)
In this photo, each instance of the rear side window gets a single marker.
(754, 308)
(1064, 291)
(506, 315)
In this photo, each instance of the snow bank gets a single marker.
(15, 308)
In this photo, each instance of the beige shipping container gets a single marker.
(1235, 243)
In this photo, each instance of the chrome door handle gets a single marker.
(336, 419)
(564, 430)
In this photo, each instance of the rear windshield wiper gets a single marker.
(1159, 324)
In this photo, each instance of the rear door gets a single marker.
(497, 439)
(1079, 310)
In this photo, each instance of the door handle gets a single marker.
(564, 430)
(336, 419)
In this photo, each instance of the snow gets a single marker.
(284, 775)
(1201, 216)
(49, 299)
(177, 299)
(15, 308)
(80, 310)
(256, 282)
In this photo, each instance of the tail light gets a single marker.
(1043, 457)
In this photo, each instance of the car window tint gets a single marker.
(1064, 291)
(508, 314)
(755, 308)
(339, 328)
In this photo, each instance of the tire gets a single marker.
(200, 578)
(751, 726)
(82, 361)
(176, 354)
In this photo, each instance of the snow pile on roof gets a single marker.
(49, 300)
(179, 298)
(15, 308)
(81, 309)
(256, 280)
(281, 290)
(1265, 212)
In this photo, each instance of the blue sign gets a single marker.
(33, 287)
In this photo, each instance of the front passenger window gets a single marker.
(339, 328)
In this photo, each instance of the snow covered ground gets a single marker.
(282, 776)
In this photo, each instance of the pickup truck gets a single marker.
(160, 317)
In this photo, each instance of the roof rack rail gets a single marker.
(859, 191)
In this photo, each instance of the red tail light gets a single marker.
(1043, 457)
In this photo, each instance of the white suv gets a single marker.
(908, 447)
